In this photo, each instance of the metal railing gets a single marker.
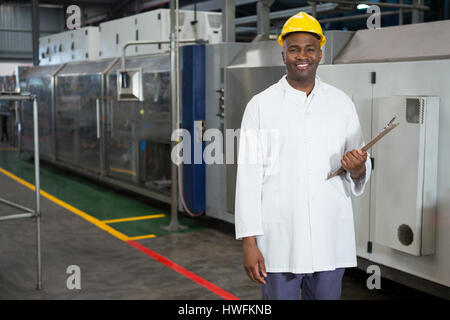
(29, 213)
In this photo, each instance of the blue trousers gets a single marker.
(324, 285)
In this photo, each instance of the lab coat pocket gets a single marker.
(270, 203)
(343, 197)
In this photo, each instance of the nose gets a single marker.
(302, 55)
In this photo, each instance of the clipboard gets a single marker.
(388, 128)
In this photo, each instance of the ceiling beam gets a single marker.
(80, 3)
(215, 5)
(274, 15)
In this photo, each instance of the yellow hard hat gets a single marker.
(302, 22)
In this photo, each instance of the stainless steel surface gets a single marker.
(126, 143)
(371, 45)
(52, 153)
(132, 123)
(218, 57)
(38, 81)
(141, 43)
(336, 41)
(78, 86)
(132, 89)
(259, 54)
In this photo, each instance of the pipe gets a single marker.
(17, 216)
(38, 191)
(35, 30)
(381, 4)
(97, 111)
(174, 225)
(15, 205)
(138, 43)
(400, 15)
(360, 16)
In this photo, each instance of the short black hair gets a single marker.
(311, 33)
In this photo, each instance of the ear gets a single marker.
(282, 56)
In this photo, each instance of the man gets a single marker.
(297, 226)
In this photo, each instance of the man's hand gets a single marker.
(253, 261)
(354, 162)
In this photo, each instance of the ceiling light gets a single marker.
(362, 6)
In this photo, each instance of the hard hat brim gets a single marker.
(282, 36)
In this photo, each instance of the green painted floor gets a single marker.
(96, 201)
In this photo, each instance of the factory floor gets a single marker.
(120, 247)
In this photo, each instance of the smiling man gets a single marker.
(297, 227)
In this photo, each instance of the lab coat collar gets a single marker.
(287, 88)
(298, 97)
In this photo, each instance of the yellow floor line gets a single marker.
(142, 237)
(67, 206)
(153, 216)
(132, 173)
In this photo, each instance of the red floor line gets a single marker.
(188, 274)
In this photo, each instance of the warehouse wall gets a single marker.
(15, 29)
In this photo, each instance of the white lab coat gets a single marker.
(302, 222)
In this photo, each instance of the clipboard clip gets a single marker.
(390, 123)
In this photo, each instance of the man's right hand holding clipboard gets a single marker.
(353, 161)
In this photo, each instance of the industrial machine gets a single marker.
(154, 25)
(401, 220)
(74, 45)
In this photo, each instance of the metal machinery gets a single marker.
(402, 219)
(74, 45)
(84, 127)
(90, 128)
